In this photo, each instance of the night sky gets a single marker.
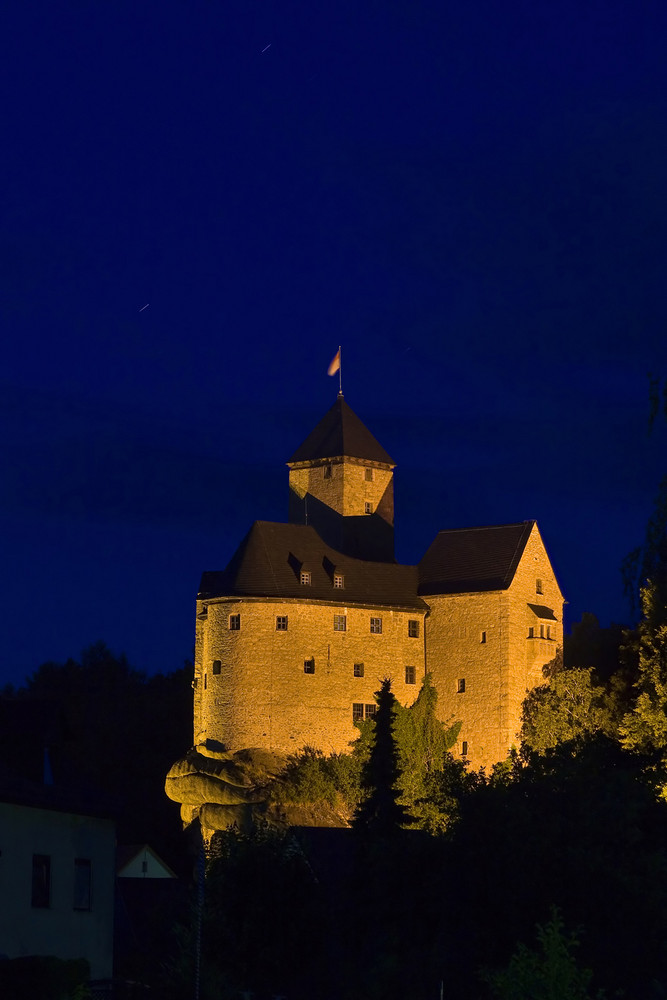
(202, 200)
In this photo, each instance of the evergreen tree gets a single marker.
(380, 814)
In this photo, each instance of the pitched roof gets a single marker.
(473, 559)
(340, 432)
(269, 560)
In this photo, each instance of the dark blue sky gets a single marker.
(470, 198)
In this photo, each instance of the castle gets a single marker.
(295, 635)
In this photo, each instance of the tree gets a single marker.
(569, 707)
(380, 814)
(548, 972)
(644, 729)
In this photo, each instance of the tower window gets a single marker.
(281, 623)
(461, 685)
(368, 475)
(235, 623)
(305, 578)
(368, 508)
(376, 626)
(413, 628)
(338, 581)
(541, 631)
(309, 666)
(538, 586)
(482, 636)
(340, 623)
(358, 670)
(548, 631)
(217, 666)
(531, 632)
(327, 470)
(357, 712)
(410, 675)
(464, 748)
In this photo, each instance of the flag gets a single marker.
(335, 364)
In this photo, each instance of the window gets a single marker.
(340, 623)
(204, 682)
(548, 631)
(309, 666)
(368, 508)
(410, 675)
(234, 623)
(376, 626)
(531, 632)
(82, 883)
(368, 475)
(464, 748)
(482, 636)
(305, 578)
(281, 623)
(413, 628)
(541, 631)
(357, 712)
(371, 711)
(461, 685)
(338, 581)
(358, 670)
(217, 666)
(327, 470)
(41, 881)
(144, 867)
(538, 586)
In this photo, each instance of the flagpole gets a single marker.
(340, 371)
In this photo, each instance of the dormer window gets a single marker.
(338, 581)
(305, 578)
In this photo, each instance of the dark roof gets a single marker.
(269, 560)
(473, 559)
(340, 432)
(541, 611)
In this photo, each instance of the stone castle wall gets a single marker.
(483, 640)
(262, 696)
(347, 490)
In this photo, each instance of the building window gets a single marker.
(464, 748)
(548, 631)
(281, 623)
(204, 682)
(538, 586)
(41, 881)
(305, 578)
(410, 675)
(82, 884)
(461, 685)
(531, 632)
(327, 470)
(371, 711)
(376, 626)
(358, 670)
(340, 623)
(368, 508)
(357, 712)
(309, 666)
(217, 666)
(338, 581)
(368, 475)
(234, 623)
(413, 628)
(482, 636)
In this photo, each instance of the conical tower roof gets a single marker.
(340, 432)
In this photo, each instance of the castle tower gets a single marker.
(342, 483)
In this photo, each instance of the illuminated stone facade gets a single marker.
(295, 636)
